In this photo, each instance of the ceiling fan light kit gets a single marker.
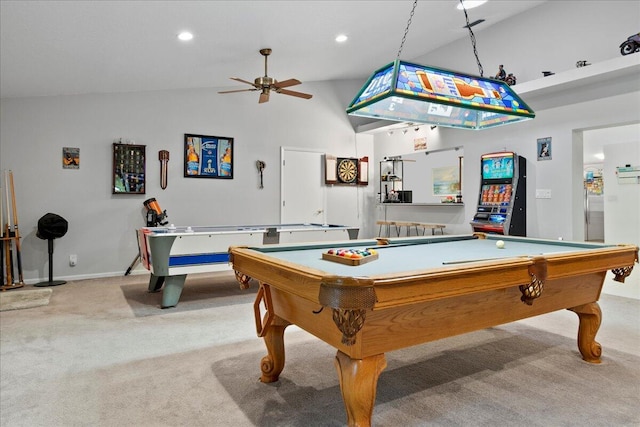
(266, 84)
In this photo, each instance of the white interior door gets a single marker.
(302, 194)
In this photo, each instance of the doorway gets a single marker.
(596, 171)
(593, 202)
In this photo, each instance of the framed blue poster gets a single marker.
(544, 148)
(208, 156)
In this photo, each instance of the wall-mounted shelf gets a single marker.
(615, 76)
(447, 205)
(391, 173)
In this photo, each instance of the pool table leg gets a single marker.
(273, 363)
(358, 381)
(155, 283)
(172, 290)
(590, 316)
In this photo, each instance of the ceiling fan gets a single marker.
(267, 84)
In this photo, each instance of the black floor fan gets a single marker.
(51, 226)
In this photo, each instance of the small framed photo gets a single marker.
(208, 156)
(544, 148)
(70, 158)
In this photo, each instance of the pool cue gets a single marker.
(2, 236)
(394, 245)
(463, 261)
(16, 233)
(2, 260)
(8, 256)
(7, 242)
(383, 245)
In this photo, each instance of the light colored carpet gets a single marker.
(103, 354)
(17, 299)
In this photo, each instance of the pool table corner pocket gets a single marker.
(538, 273)
(349, 301)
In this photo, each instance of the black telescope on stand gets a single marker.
(155, 215)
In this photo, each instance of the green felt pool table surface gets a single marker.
(418, 253)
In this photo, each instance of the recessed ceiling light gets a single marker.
(185, 36)
(599, 156)
(341, 38)
(470, 4)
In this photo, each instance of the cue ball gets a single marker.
(500, 244)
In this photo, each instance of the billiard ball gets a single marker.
(500, 244)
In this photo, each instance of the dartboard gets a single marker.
(348, 170)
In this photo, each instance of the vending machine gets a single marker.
(502, 202)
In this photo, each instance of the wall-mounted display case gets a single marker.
(129, 169)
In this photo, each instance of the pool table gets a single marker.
(170, 253)
(419, 289)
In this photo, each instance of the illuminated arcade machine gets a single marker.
(502, 203)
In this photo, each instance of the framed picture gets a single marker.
(544, 148)
(70, 158)
(208, 156)
(446, 181)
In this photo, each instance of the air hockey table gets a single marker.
(170, 253)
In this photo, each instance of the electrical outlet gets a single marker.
(73, 260)
(543, 194)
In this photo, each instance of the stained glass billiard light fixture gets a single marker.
(406, 92)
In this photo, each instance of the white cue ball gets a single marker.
(500, 244)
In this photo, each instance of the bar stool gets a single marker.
(387, 225)
(408, 226)
(433, 228)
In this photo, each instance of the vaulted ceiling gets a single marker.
(71, 47)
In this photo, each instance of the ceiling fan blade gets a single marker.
(286, 83)
(242, 81)
(238, 90)
(294, 93)
(264, 97)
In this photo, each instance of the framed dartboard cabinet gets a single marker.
(346, 170)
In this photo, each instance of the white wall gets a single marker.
(101, 225)
(622, 209)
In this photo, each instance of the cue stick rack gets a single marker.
(9, 236)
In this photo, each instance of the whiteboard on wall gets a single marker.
(419, 172)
